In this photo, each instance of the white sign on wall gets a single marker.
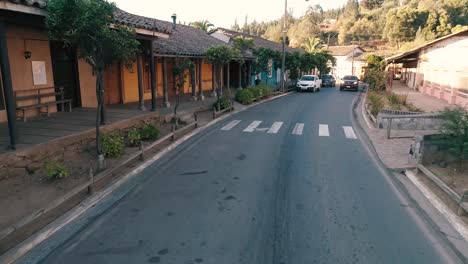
(39, 72)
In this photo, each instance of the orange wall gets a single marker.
(207, 76)
(87, 84)
(19, 40)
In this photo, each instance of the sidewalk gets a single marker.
(424, 102)
(393, 152)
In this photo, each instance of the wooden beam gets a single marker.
(201, 97)
(153, 75)
(164, 72)
(141, 102)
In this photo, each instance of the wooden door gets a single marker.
(112, 92)
(64, 66)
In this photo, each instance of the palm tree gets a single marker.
(204, 25)
(313, 45)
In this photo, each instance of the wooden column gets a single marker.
(7, 86)
(229, 75)
(213, 80)
(193, 80)
(164, 72)
(141, 102)
(153, 74)
(201, 97)
(240, 76)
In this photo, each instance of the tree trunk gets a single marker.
(100, 99)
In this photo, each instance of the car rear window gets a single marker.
(349, 77)
(308, 78)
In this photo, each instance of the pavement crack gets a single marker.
(194, 172)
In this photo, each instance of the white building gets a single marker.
(438, 68)
(348, 60)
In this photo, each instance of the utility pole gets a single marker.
(283, 60)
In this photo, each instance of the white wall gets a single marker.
(446, 62)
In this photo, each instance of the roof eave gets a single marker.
(33, 10)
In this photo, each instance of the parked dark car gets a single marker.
(350, 82)
(328, 81)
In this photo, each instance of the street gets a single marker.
(288, 181)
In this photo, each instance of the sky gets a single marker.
(221, 13)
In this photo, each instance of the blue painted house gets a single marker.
(272, 75)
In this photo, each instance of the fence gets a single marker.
(405, 121)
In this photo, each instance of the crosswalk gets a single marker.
(298, 128)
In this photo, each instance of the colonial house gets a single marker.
(272, 75)
(185, 43)
(438, 68)
(39, 75)
(349, 60)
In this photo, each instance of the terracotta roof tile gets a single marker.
(186, 41)
(36, 3)
(121, 16)
(140, 21)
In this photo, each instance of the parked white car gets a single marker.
(309, 83)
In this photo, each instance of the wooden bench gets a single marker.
(36, 97)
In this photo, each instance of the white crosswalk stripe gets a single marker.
(252, 126)
(298, 129)
(349, 132)
(230, 125)
(323, 130)
(275, 128)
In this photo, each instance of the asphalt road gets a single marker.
(230, 196)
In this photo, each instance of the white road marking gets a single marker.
(275, 128)
(252, 126)
(349, 132)
(298, 129)
(230, 125)
(323, 130)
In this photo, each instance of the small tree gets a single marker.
(292, 64)
(263, 57)
(180, 78)
(307, 62)
(323, 59)
(89, 27)
(455, 133)
(242, 46)
(219, 56)
(375, 75)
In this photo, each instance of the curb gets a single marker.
(24, 247)
(451, 217)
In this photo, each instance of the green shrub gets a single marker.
(223, 103)
(149, 132)
(244, 96)
(256, 92)
(265, 89)
(393, 99)
(134, 137)
(376, 103)
(112, 145)
(55, 170)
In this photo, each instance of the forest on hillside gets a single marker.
(398, 25)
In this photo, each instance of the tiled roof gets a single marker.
(140, 21)
(259, 42)
(36, 3)
(185, 41)
(120, 17)
(341, 50)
